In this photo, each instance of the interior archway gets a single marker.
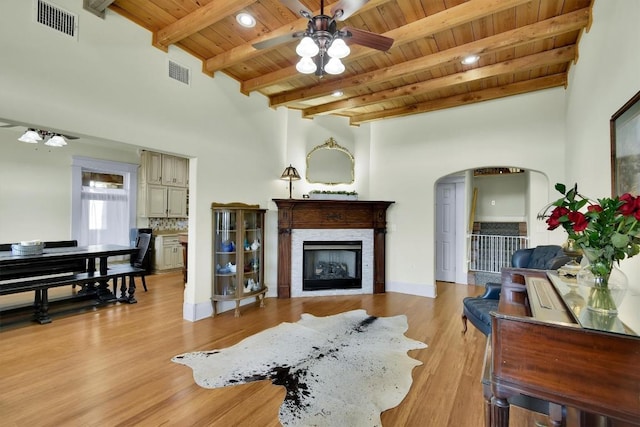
(505, 197)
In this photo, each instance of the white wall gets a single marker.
(35, 195)
(410, 154)
(501, 198)
(606, 77)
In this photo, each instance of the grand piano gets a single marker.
(546, 344)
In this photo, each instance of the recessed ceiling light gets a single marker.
(471, 59)
(246, 20)
(337, 93)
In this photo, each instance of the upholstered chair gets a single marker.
(477, 309)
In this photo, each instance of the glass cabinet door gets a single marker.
(252, 260)
(224, 253)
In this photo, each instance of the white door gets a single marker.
(446, 232)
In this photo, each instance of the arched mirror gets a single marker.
(330, 164)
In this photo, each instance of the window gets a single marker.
(103, 201)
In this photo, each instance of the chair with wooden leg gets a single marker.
(143, 243)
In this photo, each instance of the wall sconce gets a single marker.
(290, 173)
(33, 136)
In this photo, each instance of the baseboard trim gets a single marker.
(195, 312)
(417, 289)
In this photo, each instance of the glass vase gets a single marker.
(603, 292)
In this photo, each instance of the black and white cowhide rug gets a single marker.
(341, 370)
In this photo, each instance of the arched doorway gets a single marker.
(502, 199)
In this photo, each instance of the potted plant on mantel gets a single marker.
(333, 195)
(607, 231)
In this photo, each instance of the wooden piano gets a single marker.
(546, 344)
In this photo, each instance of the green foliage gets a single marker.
(607, 230)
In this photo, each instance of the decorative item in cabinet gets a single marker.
(238, 256)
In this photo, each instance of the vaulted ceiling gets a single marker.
(523, 46)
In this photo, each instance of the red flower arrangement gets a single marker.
(607, 231)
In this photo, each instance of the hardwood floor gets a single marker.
(111, 366)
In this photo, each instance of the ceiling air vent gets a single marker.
(57, 18)
(179, 73)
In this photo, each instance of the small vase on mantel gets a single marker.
(603, 285)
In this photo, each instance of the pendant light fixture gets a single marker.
(33, 136)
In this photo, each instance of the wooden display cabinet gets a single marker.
(238, 256)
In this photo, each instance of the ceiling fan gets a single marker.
(33, 135)
(322, 43)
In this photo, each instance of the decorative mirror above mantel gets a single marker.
(330, 164)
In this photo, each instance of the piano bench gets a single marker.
(477, 310)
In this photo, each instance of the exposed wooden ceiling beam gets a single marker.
(551, 57)
(197, 20)
(467, 98)
(447, 19)
(534, 32)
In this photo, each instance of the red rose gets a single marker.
(579, 221)
(630, 205)
(594, 208)
(556, 214)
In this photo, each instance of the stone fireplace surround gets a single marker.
(299, 236)
(307, 219)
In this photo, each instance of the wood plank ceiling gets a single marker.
(523, 46)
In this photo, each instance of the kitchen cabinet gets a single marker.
(158, 201)
(168, 252)
(175, 171)
(238, 256)
(155, 199)
(151, 167)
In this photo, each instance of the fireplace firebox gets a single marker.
(332, 265)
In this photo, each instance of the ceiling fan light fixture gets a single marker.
(307, 47)
(338, 49)
(246, 20)
(471, 59)
(334, 66)
(31, 136)
(56, 141)
(306, 65)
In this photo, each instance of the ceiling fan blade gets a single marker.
(266, 44)
(348, 7)
(369, 39)
(298, 8)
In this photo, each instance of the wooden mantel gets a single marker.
(330, 214)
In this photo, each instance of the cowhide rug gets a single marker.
(341, 370)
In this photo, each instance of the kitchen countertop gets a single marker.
(169, 232)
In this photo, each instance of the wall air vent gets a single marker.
(179, 73)
(57, 18)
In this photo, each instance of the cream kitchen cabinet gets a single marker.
(163, 186)
(168, 252)
(159, 201)
(175, 171)
(164, 169)
(151, 167)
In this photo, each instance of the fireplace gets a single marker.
(331, 265)
(329, 222)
